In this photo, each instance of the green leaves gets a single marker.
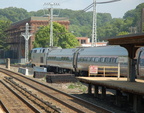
(61, 37)
(4, 25)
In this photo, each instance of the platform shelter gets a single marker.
(132, 43)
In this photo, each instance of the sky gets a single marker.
(117, 9)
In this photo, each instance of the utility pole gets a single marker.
(94, 30)
(51, 21)
(26, 35)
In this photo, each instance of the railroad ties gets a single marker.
(44, 98)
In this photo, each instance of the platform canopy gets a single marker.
(132, 43)
(132, 39)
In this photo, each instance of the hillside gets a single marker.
(81, 22)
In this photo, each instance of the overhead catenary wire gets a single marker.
(91, 5)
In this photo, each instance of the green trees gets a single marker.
(14, 14)
(81, 22)
(62, 38)
(135, 16)
(4, 24)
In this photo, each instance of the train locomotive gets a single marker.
(78, 60)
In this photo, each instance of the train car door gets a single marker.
(75, 56)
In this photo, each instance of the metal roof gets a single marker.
(132, 39)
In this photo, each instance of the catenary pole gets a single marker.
(51, 22)
(94, 26)
(94, 30)
(26, 35)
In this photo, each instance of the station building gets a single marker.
(17, 41)
(85, 42)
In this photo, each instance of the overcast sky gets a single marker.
(116, 9)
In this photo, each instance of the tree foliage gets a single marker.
(61, 37)
(4, 25)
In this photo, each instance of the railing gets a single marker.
(106, 71)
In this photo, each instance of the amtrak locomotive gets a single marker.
(77, 60)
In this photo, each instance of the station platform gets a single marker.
(135, 90)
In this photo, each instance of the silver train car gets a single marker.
(39, 56)
(77, 60)
(107, 56)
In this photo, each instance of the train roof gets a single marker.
(36, 48)
(103, 51)
(44, 50)
(63, 52)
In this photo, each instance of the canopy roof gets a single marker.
(133, 39)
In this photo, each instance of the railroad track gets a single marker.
(57, 100)
(12, 102)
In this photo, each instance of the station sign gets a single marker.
(93, 70)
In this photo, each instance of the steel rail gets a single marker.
(99, 108)
(21, 98)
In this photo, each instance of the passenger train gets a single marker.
(78, 60)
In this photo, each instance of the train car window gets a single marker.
(101, 59)
(81, 49)
(91, 59)
(35, 51)
(116, 60)
(110, 60)
(43, 50)
(59, 58)
(79, 59)
(88, 59)
(107, 59)
(48, 58)
(104, 59)
(65, 58)
(84, 59)
(97, 59)
(141, 61)
(69, 58)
